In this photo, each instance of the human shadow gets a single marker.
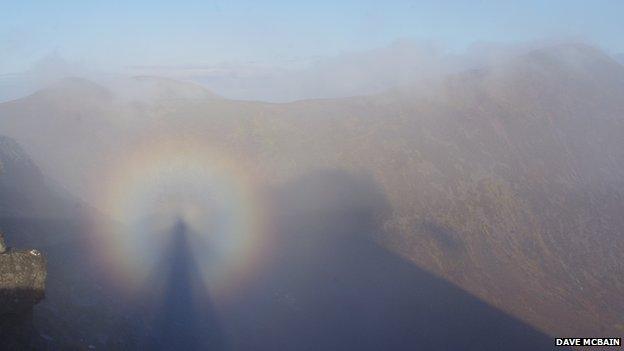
(327, 285)
(178, 314)
(330, 286)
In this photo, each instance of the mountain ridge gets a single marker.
(505, 181)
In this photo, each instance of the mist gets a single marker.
(403, 64)
(404, 197)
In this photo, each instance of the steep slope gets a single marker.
(72, 125)
(24, 191)
(37, 213)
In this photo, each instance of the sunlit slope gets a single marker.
(505, 180)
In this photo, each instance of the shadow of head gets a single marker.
(331, 286)
(332, 202)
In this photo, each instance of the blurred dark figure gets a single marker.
(182, 317)
(332, 287)
(328, 286)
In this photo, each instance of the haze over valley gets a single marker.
(404, 197)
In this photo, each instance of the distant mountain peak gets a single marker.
(549, 72)
(569, 54)
(153, 88)
(138, 89)
(76, 87)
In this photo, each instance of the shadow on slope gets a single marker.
(328, 286)
(79, 309)
(331, 287)
(179, 312)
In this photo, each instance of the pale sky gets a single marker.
(117, 34)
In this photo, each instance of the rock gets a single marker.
(22, 285)
(3, 247)
(22, 280)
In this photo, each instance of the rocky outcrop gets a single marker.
(22, 285)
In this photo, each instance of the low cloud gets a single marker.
(45, 71)
(404, 63)
(358, 73)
